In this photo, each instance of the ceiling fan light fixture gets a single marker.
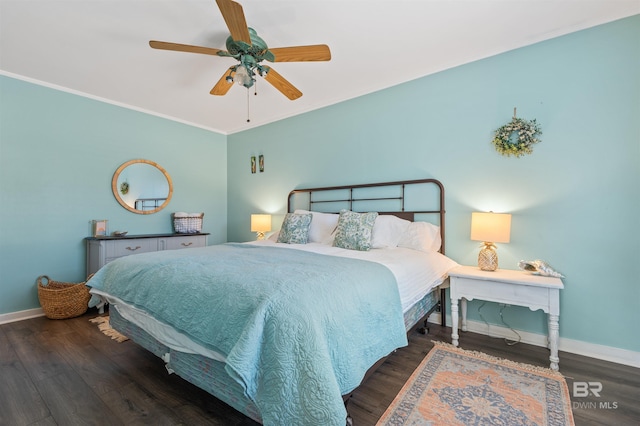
(242, 77)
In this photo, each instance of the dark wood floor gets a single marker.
(66, 372)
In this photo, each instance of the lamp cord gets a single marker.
(507, 341)
(482, 318)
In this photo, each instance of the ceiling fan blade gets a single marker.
(222, 86)
(280, 83)
(234, 18)
(317, 52)
(183, 47)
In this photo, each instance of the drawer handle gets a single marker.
(133, 248)
(187, 244)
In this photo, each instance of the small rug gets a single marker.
(453, 386)
(105, 328)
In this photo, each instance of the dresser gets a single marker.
(102, 250)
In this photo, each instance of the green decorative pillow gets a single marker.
(295, 229)
(354, 230)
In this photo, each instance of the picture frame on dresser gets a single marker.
(99, 228)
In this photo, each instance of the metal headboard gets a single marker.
(332, 199)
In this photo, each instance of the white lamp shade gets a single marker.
(260, 222)
(491, 227)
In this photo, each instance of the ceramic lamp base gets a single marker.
(488, 259)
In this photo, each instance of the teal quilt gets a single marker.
(298, 329)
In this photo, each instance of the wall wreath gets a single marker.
(526, 135)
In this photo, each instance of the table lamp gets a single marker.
(490, 228)
(260, 223)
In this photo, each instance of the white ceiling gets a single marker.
(99, 48)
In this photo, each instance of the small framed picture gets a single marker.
(261, 163)
(99, 228)
(253, 164)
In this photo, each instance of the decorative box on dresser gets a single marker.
(102, 250)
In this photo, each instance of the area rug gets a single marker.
(452, 386)
(105, 328)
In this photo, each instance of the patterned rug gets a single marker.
(105, 328)
(456, 387)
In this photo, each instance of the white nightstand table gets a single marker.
(508, 287)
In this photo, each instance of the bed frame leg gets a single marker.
(424, 329)
(443, 307)
(349, 420)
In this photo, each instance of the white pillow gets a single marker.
(322, 226)
(388, 230)
(422, 236)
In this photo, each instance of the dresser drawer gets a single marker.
(119, 248)
(101, 251)
(188, 241)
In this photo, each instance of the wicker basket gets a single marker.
(191, 224)
(61, 300)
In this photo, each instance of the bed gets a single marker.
(283, 329)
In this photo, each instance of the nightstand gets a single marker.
(511, 288)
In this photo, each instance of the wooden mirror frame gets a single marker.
(116, 192)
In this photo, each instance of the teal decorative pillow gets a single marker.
(295, 229)
(354, 230)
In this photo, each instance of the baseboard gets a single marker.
(21, 315)
(593, 350)
(606, 353)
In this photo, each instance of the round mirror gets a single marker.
(142, 186)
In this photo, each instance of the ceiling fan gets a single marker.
(250, 50)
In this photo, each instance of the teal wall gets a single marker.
(574, 200)
(58, 153)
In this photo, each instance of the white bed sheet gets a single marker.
(416, 273)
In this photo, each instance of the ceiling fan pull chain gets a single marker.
(248, 120)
